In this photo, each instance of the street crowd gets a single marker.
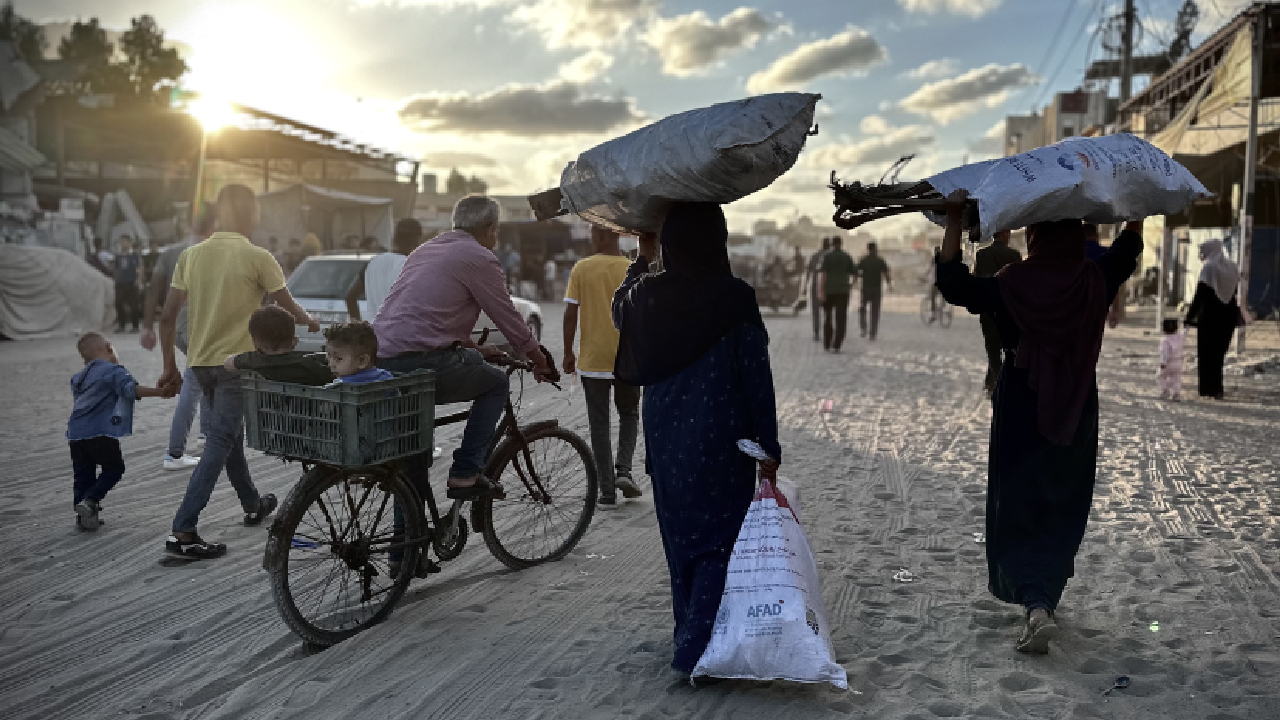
(671, 339)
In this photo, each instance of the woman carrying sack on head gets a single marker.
(1215, 314)
(692, 336)
(1050, 309)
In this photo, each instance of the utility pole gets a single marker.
(1126, 51)
(1250, 175)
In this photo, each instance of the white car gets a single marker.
(320, 285)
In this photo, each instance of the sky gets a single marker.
(512, 90)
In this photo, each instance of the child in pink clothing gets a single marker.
(1169, 377)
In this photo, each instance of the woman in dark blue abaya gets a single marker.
(1050, 309)
(692, 336)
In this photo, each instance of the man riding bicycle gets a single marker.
(426, 323)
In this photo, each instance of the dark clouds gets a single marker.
(556, 108)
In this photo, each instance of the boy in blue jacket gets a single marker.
(102, 414)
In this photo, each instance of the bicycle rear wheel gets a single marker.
(945, 313)
(544, 518)
(328, 552)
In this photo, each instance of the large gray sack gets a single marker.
(716, 154)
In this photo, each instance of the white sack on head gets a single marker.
(1099, 180)
(716, 154)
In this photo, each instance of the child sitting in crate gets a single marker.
(353, 348)
(103, 413)
(274, 357)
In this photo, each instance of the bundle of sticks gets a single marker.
(858, 204)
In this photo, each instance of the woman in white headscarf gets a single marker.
(1215, 314)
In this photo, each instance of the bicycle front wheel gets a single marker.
(926, 310)
(330, 551)
(945, 313)
(551, 496)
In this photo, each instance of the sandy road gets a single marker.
(1185, 533)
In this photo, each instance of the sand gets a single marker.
(1185, 533)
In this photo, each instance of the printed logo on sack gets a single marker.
(1069, 162)
(764, 610)
(116, 419)
(722, 617)
(811, 619)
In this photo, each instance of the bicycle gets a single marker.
(330, 549)
(938, 311)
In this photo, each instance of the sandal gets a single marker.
(1040, 629)
(482, 487)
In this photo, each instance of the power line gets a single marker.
(1067, 54)
(1053, 44)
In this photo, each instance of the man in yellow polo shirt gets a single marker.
(223, 280)
(589, 297)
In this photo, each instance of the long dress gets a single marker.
(1038, 493)
(702, 483)
(1215, 323)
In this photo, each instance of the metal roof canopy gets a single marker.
(147, 133)
(1176, 86)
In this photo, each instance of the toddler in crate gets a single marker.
(274, 356)
(353, 349)
(102, 414)
(1169, 377)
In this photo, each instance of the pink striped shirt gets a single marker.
(438, 297)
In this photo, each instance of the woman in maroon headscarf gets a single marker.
(1051, 309)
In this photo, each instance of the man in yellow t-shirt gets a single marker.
(222, 280)
(590, 297)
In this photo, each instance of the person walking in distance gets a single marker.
(1051, 310)
(989, 262)
(834, 282)
(1215, 314)
(127, 272)
(381, 272)
(815, 292)
(191, 396)
(588, 299)
(874, 273)
(224, 280)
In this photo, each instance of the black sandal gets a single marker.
(482, 487)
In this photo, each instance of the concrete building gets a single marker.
(1079, 112)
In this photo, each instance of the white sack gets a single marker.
(1099, 180)
(717, 154)
(772, 624)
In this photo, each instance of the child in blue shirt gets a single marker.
(102, 414)
(352, 349)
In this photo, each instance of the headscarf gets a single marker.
(311, 245)
(1058, 299)
(669, 320)
(1218, 272)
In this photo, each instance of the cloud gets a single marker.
(587, 67)
(987, 86)
(972, 8)
(850, 52)
(874, 125)
(885, 146)
(556, 108)
(582, 23)
(691, 43)
(992, 141)
(934, 69)
(452, 159)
